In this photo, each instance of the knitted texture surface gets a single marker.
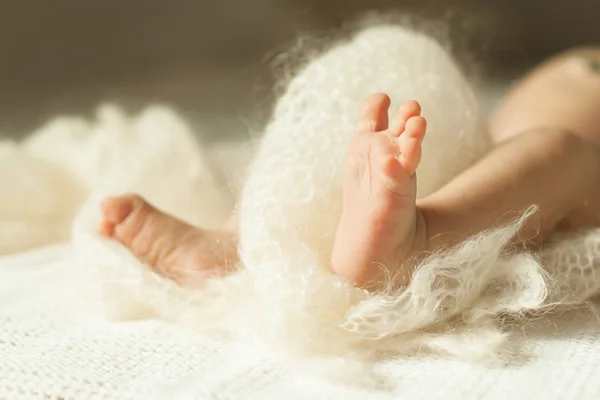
(49, 350)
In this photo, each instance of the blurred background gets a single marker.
(210, 59)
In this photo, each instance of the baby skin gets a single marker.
(173, 248)
(547, 153)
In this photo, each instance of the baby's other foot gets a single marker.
(173, 248)
(380, 225)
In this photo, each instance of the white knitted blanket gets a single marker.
(286, 326)
(49, 352)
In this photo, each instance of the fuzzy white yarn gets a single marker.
(284, 293)
(292, 203)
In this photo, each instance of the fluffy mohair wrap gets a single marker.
(284, 293)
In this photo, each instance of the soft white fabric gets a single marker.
(48, 351)
(284, 293)
(458, 304)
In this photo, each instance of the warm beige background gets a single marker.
(209, 58)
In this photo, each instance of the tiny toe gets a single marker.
(416, 127)
(107, 228)
(116, 209)
(409, 109)
(374, 113)
(410, 143)
(411, 157)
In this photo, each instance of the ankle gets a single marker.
(418, 251)
(439, 227)
(421, 240)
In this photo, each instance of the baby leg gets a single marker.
(547, 135)
(173, 248)
(561, 94)
(552, 168)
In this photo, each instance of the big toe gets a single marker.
(373, 115)
(115, 211)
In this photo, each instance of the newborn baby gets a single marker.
(546, 134)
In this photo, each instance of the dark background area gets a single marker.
(204, 57)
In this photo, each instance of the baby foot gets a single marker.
(173, 248)
(380, 225)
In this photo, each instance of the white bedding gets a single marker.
(43, 345)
